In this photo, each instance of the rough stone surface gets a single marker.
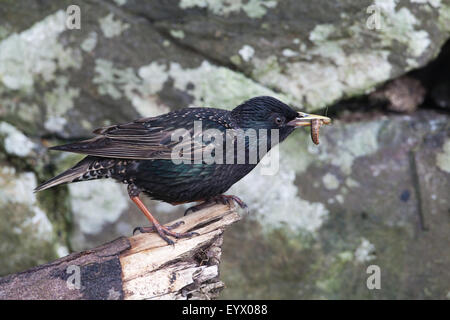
(391, 209)
(27, 235)
(367, 180)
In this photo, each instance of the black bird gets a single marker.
(144, 154)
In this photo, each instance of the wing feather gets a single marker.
(140, 139)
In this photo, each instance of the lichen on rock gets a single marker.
(443, 158)
(35, 53)
(15, 142)
(26, 233)
(253, 8)
(112, 27)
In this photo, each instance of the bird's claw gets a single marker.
(190, 210)
(153, 229)
(223, 199)
(198, 207)
(228, 200)
(164, 231)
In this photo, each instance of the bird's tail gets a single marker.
(81, 171)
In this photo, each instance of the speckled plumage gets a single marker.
(139, 153)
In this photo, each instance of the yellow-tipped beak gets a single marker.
(304, 119)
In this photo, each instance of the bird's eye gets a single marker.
(278, 120)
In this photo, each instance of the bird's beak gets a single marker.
(304, 119)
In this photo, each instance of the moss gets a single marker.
(275, 264)
(315, 268)
(332, 281)
(323, 269)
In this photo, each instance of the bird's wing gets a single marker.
(140, 139)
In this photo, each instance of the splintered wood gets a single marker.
(140, 267)
(152, 269)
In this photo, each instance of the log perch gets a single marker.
(143, 266)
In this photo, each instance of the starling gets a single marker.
(144, 154)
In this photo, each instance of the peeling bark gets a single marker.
(140, 267)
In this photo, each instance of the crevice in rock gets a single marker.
(423, 88)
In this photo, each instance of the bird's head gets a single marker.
(269, 113)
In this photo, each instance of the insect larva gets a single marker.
(315, 128)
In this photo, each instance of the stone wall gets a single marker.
(375, 191)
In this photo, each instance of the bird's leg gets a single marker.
(163, 231)
(224, 199)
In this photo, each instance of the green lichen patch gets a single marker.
(443, 158)
(333, 75)
(252, 8)
(209, 85)
(399, 24)
(112, 27)
(179, 34)
(14, 142)
(444, 18)
(35, 54)
(139, 88)
(58, 101)
(280, 197)
(27, 234)
(90, 42)
(217, 86)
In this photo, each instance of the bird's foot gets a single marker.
(153, 228)
(229, 200)
(198, 207)
(164, 231)
(224, 199)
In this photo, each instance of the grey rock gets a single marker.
(384, 185)
(368, 181)
(142, 58)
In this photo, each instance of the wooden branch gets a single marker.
(140, 267)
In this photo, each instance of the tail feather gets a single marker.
(67, 176)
